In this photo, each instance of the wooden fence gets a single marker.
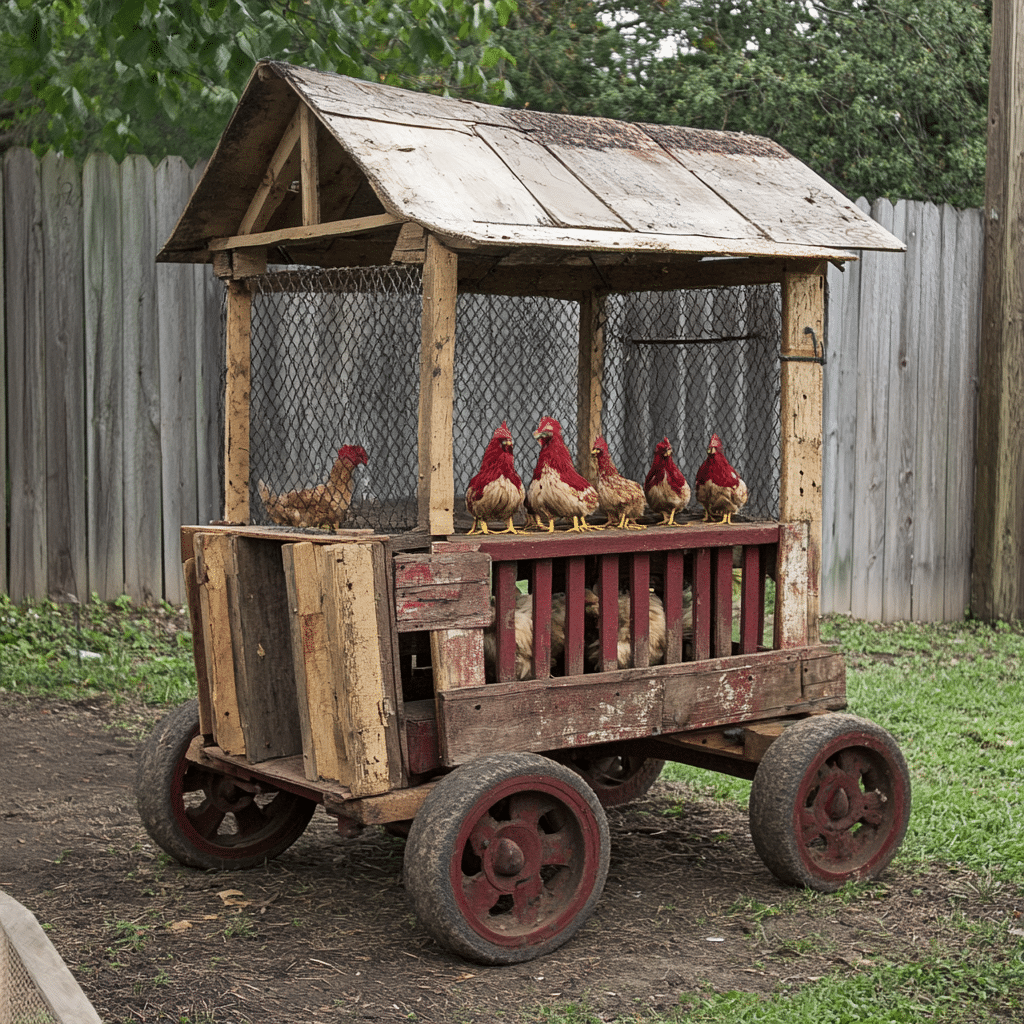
(109, 414)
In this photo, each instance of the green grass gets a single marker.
(74, 651)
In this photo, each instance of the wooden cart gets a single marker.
(347, 668)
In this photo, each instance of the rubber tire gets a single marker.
(440, 837)
(611, 789)
(160, 783)
(786, 788)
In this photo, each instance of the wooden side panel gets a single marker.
(457, 657)
(195, 617)
(525, 716)
(322, 744)
(266, 691)
(355, 650)
(791, 587)
(383, 573)
(214, 561)
(442, 591)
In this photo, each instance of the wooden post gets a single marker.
(437, 384)
(997, 578)
(590, 380)
(309, 166)
(236, 404)
(803, 307)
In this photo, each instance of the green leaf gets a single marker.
(127, 17)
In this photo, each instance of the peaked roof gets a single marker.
(493, 179)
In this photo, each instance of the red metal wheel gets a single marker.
(616, 779)
(507, 858)
(205, 819)
(830, 802)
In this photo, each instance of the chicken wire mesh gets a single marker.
(335, 361)
(20, 999)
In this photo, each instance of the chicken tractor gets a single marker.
(405, 274)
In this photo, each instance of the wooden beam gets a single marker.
(437, 372)
(590, 379)
(997, 577)
(236, 403)
(800, 493)
(306, 233)
(309, 164)
(276, 181)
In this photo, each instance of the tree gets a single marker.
(880, 97)
(161, 76)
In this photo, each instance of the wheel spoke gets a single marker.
(526, 900)
(852, 764)
(871, 808)
(251, 819)
(558, 848)
(528, 808)
(483, 834)
(809, 827)
(206, 819)
(479, 894)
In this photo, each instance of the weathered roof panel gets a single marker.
(481, 175)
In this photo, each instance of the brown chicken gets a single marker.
(524, 637)
(496, 492)
(719, 487)
(557, 491)
(657, 636)
(621, 499)
(324, 506)
(665, 487)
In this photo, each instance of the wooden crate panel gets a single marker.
(528, 716)
(442, 591)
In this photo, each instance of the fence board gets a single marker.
(144, 417)
(176, 324)
(25, 376)
(961, 294)
(63, 346)
(101, 194)
(3, 396)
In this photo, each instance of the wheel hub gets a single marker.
(511, 858)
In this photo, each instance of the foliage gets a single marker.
(162, 76)
(880, 98)
(79, 651)
(950, 695)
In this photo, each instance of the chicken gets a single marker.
(621, 498)
(325, 505)
(524, 637)
(719, 487)
(557, 490)
(665, 487)
(657, 638)
(496, 492)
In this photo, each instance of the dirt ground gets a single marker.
(326, 932)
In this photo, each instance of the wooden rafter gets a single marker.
(306, 233)
(276, 181)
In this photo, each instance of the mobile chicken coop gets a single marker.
(403, 273)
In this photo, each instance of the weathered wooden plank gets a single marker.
(511, 716)
(927, 328)
(306, 233)
(541, 594)
(442, 591)
(26, 375)
(214, 554)
(262, 643)
(175, 328)
(309, 166)
(590, 379)
(436, 481)
(355, 652)
(504, 621)
(702, 604)
(803, 321)
(144, 417)
(751, 601)
(236, 403)
(900, 441)
(277, 179)
(195, 618)
(67, 568)
(3, 390)
(575, 609)
(962, 289)
(104, 373)
(382, 560)
(791, 629)
(877, 319)
(721, 602)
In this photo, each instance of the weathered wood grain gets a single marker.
(64, 348)
(236, 403)
(3, 391)
(26, 375)
(146, 418)
(104, 375)
(448, 591)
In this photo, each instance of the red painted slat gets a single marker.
(575, 584)
(675, 580)
(609, 617)
(751, 601)
(640, 608)
(702, 604)
(542, 618)
(505, 620)
(721, 602)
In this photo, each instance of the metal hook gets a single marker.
(816, 358)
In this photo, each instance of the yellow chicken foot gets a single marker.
(630, 524)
